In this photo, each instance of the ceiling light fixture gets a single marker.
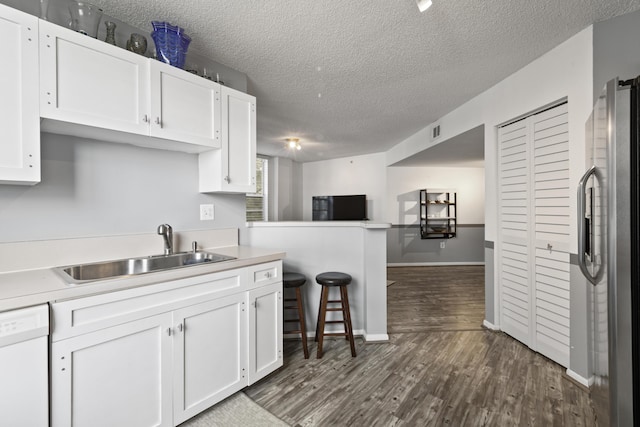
(293, 143)
(423, 4)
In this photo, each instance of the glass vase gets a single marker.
(111, 32)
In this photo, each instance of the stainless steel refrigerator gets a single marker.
(608, 250)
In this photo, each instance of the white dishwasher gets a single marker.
(24, 372)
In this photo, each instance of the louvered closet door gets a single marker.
(534, 232)
(513, 227)
(551, 204)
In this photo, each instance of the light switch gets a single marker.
(206, 213)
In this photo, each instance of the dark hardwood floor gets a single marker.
(440, 368)
(431, 299)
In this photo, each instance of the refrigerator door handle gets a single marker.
(582, 210)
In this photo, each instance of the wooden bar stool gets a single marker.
(327, 280)
(295, 281)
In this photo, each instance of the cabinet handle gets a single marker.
(169, 331)
(180, 327)
(145, 119)
(227, 179)
(158, 121)
(267, 275)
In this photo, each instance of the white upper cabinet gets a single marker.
(233, 167)
(84, 87)
(19, 119)
(86, 81)
(184, 107)
(96, 90)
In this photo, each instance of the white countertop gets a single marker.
(360, 224)
(30, 287)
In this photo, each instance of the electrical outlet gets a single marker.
(206, 212)
(442, 244)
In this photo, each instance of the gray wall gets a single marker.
(404, 245)
(616, 50)
(285, 189)
(92, 188)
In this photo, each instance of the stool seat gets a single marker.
(293, 280)
(333, 278)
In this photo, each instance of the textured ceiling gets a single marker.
(357, 77)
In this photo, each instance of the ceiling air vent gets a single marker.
(435, 132)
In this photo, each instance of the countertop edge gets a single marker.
(40, 286)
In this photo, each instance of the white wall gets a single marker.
(349, 175)
(91, 188)
(404, 243)
(404, 183)
(564, 72)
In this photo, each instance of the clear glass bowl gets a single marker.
(171, 43)
(85, 17)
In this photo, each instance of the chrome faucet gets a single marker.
(166, 231)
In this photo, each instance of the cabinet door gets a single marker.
(232, 169)
(239, 141)
(265, 331)
(19, 118)
(184, 107)
(119, 376)
(89, 82)
(209, 354)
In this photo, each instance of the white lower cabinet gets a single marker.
(118, 376)
(265, 331)
(160, 354)
(204, 333)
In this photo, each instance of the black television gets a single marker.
(340, 208)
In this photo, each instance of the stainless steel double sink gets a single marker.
(83, 273)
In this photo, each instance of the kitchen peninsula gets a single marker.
(357, 248)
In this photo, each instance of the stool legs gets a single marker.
(346, 314)
(299, 307)
(324, 296)
(303, 328)
(319, 311)
(346, 319)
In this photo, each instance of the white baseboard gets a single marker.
(490, 325)
(372, 338)
(580, 379)
(430, 264)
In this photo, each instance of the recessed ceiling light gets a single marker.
(423, 4)
(293, 143)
